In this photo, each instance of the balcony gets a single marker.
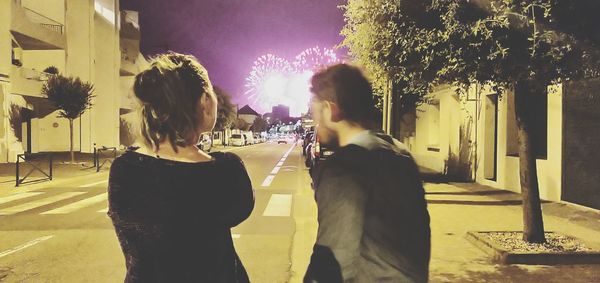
(130, 28)
(35, 31)
(128, 61)
(27, 82)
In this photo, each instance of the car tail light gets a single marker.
(317, 149)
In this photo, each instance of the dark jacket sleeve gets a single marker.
(238, 189)
(341, 207)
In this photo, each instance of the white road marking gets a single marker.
(268, 180)
(275, 170)
(279, 205)
(18, 196)
(93, 184)
(38, 203)
(24, 246)
(78, 205)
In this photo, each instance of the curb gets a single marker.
(503, 256)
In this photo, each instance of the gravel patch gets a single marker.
(555, 243)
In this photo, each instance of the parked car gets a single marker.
(282, 139)
(318, 151)
(205, 142)
(307, 140)
(249, 137)
(237, 140)
(308, 155)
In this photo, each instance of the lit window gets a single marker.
(105, 12)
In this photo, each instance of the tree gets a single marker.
(259, 125)
(377, 36)
(520, 45)
(225, 110)
(72, 97)
(51, 70)
(241, 124)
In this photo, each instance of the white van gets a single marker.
(249, 137)
(237, 140)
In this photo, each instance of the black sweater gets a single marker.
(173, 218)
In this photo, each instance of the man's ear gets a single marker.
(336, 113)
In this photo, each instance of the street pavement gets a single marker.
(59, 232)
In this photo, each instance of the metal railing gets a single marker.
(28, 159)
(42, 20)
(98, 154)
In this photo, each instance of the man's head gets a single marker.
(342, 96)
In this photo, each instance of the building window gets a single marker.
(105, 10)
(539, 136)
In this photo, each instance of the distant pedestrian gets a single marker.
(372, 214)
(172, 204)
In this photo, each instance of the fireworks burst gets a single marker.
(274, 80)
(314, 58)
(266, 78)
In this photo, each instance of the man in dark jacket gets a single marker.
(373, 219)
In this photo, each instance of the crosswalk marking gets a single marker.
(38, 203)
(78, 205)
(279, 205)
(93, 184)
(18, 196)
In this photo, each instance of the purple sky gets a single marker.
(228, 35)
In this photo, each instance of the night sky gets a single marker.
(228, 35)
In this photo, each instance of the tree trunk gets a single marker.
(71, 141)
(526, 94)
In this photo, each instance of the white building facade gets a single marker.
(473, 137)
(82, 41)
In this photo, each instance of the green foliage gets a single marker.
(70, 95)
(241, 124)
(381, 38)
(225, 110)
(259, 125)
(51, 70)
(418, 44)
(502, 42)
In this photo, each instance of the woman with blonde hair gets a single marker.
(172, 204)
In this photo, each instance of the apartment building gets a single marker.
(89, 39)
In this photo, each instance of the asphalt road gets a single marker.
(60, 232)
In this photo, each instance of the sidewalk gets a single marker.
(456, 208)
(60, 170)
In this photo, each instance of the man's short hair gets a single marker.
(346, 86)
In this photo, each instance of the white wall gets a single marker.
(104, 126)
(471, 111)
(437, 131)
(126, 92)
(51, 134)
(53, 9)
(248, 118)
(549, 170)
(41, 59)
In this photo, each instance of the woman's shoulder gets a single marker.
(227, 157)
